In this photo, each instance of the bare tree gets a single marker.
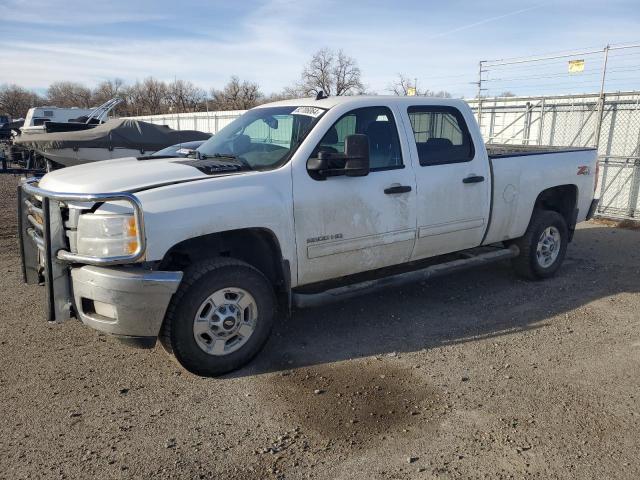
(332, 72)
(15, 100)
(184, 96)
(347, 75)
(404, 86)
(285, 94)
(507, 93)
(148, 97)
(317, 75)
(437, 94)
(237, 95)
(107, 90)
(69, 94)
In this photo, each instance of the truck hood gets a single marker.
(129, 174)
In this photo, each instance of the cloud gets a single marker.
(485, 21)
(77, 13)
(269, 41)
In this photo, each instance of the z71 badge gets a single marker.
(584, 170)
(322, 238)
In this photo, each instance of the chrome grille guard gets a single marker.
(29, 188)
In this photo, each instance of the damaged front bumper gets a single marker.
(127, 302)
(114, 295)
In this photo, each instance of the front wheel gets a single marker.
(220, 317)
(543, 246)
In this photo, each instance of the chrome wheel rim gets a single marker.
(225, 321)
(548, 247)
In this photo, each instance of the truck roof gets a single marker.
(330, 102)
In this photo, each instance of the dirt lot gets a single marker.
(476, 375)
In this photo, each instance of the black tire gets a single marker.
(199, 282)
(527, 264)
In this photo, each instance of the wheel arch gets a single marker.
(259, 247)
(562, 199)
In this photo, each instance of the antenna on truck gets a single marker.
(320, 95)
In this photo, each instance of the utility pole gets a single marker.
(601, 98)
(480, 93)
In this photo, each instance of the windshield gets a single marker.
(262, 138)
(179, 150)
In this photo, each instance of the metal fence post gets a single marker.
(526, 130)
(492, 122)
(541, 125)
(206, 103)
(480, 96)
(635, 189)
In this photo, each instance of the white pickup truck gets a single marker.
(294, 203)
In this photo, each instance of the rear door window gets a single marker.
(441, 135)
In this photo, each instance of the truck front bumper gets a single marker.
(127, 302)
(115, 295)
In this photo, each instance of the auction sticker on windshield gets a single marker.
(309, 111)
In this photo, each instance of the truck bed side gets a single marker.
(518, 180)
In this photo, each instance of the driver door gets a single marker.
(345, 225)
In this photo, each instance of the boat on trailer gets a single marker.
(115, 138)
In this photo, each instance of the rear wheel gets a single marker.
(220, 317)
(543, 246)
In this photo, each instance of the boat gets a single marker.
(84, 122)
(34, 122)
(9, 129)
(57, 119)
(115, 138)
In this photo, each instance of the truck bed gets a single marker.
(500, 150)
(521, 172)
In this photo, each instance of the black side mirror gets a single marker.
(354, 162)
(356, 151)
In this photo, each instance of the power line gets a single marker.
(549, 72)
(566, 74)
(539, 58)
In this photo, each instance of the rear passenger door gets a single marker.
(452, 180)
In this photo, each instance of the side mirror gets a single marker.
(356, 151)
(354, 162)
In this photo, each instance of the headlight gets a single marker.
(107, 235)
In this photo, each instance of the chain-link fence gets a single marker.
(611, 123)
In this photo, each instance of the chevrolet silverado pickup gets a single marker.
(295, 203)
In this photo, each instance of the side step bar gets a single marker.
(304, 300)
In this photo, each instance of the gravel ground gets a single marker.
(475, 375)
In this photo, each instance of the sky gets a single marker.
(268, 41)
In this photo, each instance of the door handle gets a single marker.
(473, 179)
(397, 189)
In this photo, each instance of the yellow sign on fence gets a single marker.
(411, 91)
(576, 66)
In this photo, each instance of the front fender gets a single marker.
(175, 213)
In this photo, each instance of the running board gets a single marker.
(304, 300)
